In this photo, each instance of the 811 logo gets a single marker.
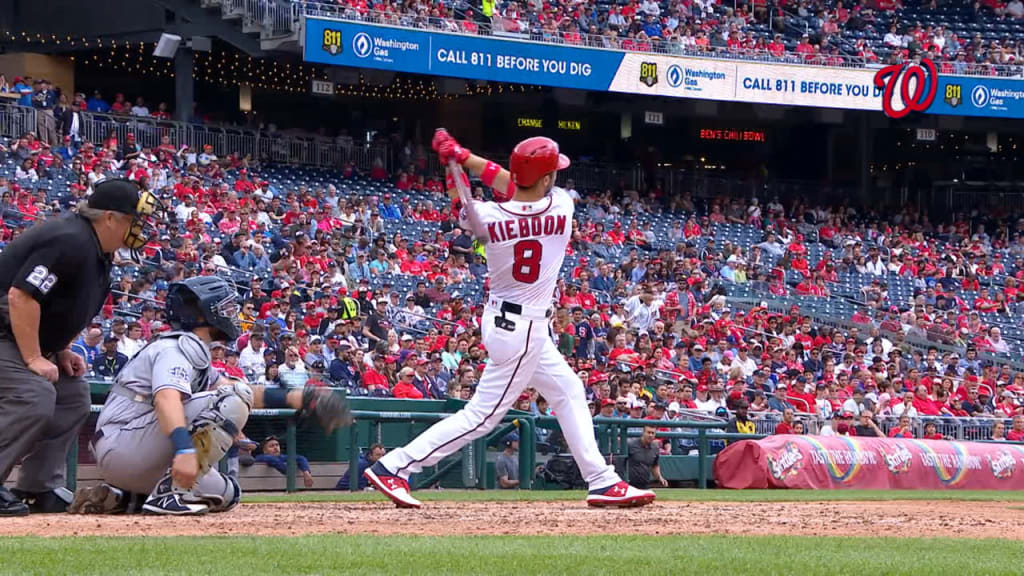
(915, 84)
(649, 73)
(954, 95)
(332, 41)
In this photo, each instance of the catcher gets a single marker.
(169, 407)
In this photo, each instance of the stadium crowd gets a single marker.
(334, 295)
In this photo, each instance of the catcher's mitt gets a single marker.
(329, 406)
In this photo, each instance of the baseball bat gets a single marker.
(475, 225)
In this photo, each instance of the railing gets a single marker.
(276, 18)
(953, 428)
(276, 148)
(677, 46)
(477, 449)
(16, 120)
(475, 456)
(706, 437)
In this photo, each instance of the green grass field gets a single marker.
(508, 555)
(708, 555)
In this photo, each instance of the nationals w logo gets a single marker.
(917, 84)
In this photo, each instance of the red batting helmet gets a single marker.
(533, 158)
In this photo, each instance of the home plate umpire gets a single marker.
(53, 281)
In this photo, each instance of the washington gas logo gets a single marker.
(362, 45)
(915, 84)
(332, 41)
(980, 96)
(649, 73)
(674, 76)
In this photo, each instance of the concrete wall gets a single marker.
(57, 69)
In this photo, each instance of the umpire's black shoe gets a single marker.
(10, 505)
(49, 502)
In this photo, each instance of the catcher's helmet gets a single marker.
(204, 301)
(533, 158)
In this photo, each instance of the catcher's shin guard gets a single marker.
(218, 492)
(214, 430)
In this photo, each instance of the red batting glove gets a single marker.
(440, 135)
(450, 149)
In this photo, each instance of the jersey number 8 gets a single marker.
(526, 256)
(41, 278)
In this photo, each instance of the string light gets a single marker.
(236, 68)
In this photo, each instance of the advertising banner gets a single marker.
(480, 58)
(970, 96)
(737, 81)
(360, 45)
(836, 462)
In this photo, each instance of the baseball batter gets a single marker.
(526, 238)
(162, 433)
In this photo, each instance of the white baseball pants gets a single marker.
(522, 357)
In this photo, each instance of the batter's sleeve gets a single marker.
(171, 369)
(40, 273)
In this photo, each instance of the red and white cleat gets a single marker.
(392, 486)
(620, 495)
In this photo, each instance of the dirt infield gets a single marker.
(895, 518)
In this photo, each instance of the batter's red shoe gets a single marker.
(620, 495)
(392, 486)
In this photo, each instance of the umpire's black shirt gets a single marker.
(59, 263)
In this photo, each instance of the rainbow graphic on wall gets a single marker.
(835, 470)
(948, 477)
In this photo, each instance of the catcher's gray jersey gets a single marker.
(177, 360)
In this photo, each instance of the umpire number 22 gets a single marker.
(526, 255)
(42, 279)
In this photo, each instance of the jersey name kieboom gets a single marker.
(528, 227)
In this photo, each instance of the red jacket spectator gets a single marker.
(374, 379)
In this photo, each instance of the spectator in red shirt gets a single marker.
(786, 426)
(404, 386)
(902, 430)
(469, 25)
(931, 432)
(1016, 434)
(804, 48)
(924, 405)
(374, 378)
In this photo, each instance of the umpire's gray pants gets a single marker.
(39, 421)
(135, 456)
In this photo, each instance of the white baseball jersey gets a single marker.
(526, 246)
